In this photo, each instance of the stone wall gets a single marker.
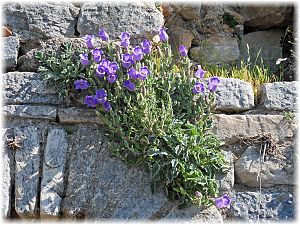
(55, 161)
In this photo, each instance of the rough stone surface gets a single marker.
(7, 173)
(137, 18)
(26, 87)
(104, 187)
(279, 96)
(27, 169)
(234, 95)
(74, 115)
(250, 168)
(262, 44)
(180, 37)
(266, 16)
(187, 10)
(30, 111)
(274, 207)
(52, 185)
(216, 50)
(10, 52)
(230, 128)
(225, 181)
(195, 215)
(41, 20)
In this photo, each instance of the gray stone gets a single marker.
(234, 95)
(27, 159)
(7, 172)
(263, 45)
(231, 128)
(251, 168)
(225, 181)
(273, 207)
(187, 11)
(41, 20)
(75, 115)
(52, 185)
(10, 52)
(101, 186)
(267, 16)
(279, 96)
(216, 50)
(26, 87)
(195, 215)
(30, 111)
(137, 18)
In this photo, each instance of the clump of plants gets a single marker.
(155, 107)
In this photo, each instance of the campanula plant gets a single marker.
(156, 109)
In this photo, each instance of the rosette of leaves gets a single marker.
(155, 118)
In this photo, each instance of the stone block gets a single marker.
(10, 52)
(75, 115)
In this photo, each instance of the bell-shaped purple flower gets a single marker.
(91, 101)
(101, 95)
(84, 59)
(213, 83)
(198, 88)
(112, 68)
(100, 71)
(137, 53)
(146, 45)
(106, 106)
(81, 84)
(133, 73)
(144, 72)
(105, 63)
(129, 85)
(183, 51)
(96, 54)
(200, 72)
(103, 35)
(163, 36)
(89, 40)
(125, 39)
(127, 60)
(223, 202)
(111, 78)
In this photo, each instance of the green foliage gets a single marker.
(229, 19)
(289, 116)
(162, 125)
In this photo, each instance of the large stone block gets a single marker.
(28, 88)
(279, 96)
(137, 18)
(225, 181)
(234, 95)
(10, 52)
(231, 128)
(41, 20)
(75, 115)
(101, 186)
(52, 184)
(251, 169)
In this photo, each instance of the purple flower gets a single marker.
(125, 39)
(132, 73)
(146, 45)
(89, 40)
(213, 83)
(112, 68)
(198, 88)
(91, 101)
(223, 202)
(100, 71)
(105, 63)
(198, 194)
(129, 85)
(183, 51)
(163, 36)
(106, 105)
(101, 95)
(137, 53)
(103, 35)
(81, 84)
(111, 78)
(127, 60)
(144, 72)
(97, 54)
(200, 72)
(84, 59)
